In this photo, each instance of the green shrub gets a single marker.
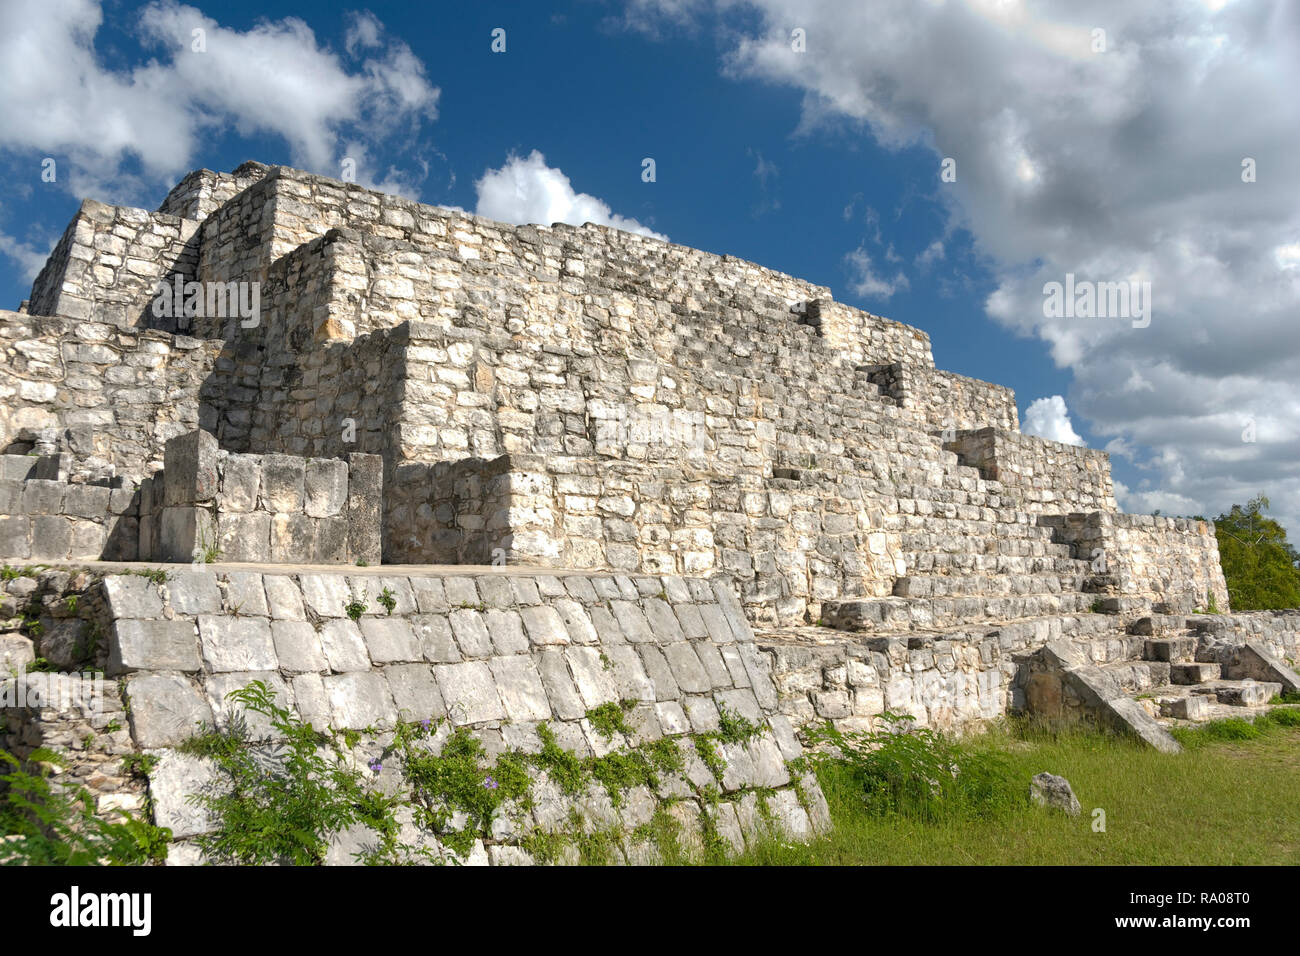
(58, 827)
(917, 771)
(285, 809)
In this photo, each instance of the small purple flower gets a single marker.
(426, 723)
(376, 765)
(490, 783)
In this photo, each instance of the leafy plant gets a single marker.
(283, 803)
(902, 768)
(355, 608)
(388, 600)
(58, 827)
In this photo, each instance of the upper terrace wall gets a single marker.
(108, 395)
(1047, 477)
(108, 264)
(429, 263)
(203, 191)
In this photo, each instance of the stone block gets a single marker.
(244, 593)
(166, 710)
(52, 537)
(241, 483)
(415, 692)
(433, 631)
(283, 479)
(544, 626)
(193, 592)
(244, 537)
(237, 643)
(172, 781)
(469, 692)
(365, 507)
(43, 496)
(190, 473)
(592, 676)
(283, 599)
(298, 647)
(86, 501)
(184, 533)
(325, 487)
(130, 595)
(390, 640)
(293, 539)
(14, 537)
(344, 647)
(520, 688)
(229, 713)
(139, 645)
(360, 700)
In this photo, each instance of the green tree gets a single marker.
(1261, 567)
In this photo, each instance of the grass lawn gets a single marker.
(1229, 798)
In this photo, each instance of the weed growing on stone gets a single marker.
(355, 608)
(285, 807)
(388, 600)
(156, 575)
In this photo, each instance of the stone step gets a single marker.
(1168, 649)
(950, 585)
(929, 562)
(1159, 625)
(1192, 672)
(871, 614)
(1239, 693)
(1193, 707)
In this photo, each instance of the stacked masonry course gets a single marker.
(423, 386)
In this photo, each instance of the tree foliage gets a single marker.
(1261, 567)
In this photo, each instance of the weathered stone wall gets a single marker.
(1045, 477)
(55, 520)
(945, 400)
(203, 191)
(500, 654)
(109, 262)
(953, 681)
(208, 504)
(1167, 560)
(109, 396)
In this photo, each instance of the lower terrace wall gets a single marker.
(786, 544)
(511, 658)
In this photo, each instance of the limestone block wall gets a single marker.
(261, 508)
(946, 400)
(55, 520)
(866, 339)
(512, 658)
(109, 263)
(954, 682)
(432, 264)
(203, 191)
(1164, 559)
(109, 396)
(1045, 477)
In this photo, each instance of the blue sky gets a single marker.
(823, 164)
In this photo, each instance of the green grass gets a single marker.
(1229, 798)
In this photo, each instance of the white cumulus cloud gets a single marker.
(61, 99)
(1049, 418)
(526, 190)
